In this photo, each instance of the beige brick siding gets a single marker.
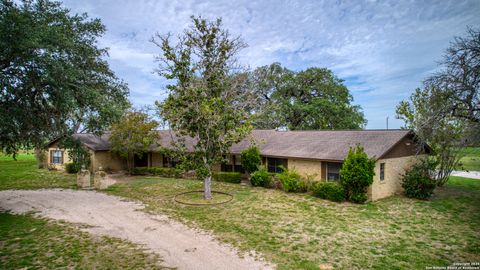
(107, 160)
(306, 167)
(394, 168)
(157, 160)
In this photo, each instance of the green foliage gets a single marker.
(159, 171)
(309, 99)
(444, 135)
(418, 182)
(209, 99)
(229, 177)
(133, 135)
(291, 181)
(53, 77)
(78, 154)
(251, 159)
(445, 112)
(356, 174)
(71, 168)
(261, 178)
(329, 190)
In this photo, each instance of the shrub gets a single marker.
(261, 178)
(163, 172)
(356, 174)
(291, 181)
(72, 168)
(329, 190)
(418, 182)
(229, 177)
(251, 159)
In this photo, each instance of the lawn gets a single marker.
(297, 231)
(32, 243)
(471, 159)
(23, 174)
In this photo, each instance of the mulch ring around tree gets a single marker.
(195, 198)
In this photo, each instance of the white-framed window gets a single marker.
(56, 156)
(382, 172)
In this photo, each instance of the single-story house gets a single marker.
(317, 154)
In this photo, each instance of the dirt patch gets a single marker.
(179, 245)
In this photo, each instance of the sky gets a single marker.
(381, 49)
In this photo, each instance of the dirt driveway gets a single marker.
(179, 245)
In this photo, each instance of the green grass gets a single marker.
(297, 231)
(470, 160)
(32, 243)
(23, 174)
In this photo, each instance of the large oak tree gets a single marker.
(309, 99)
(54, 79)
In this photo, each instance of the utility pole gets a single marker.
(387, 122)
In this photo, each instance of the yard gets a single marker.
(295, 231)
(471, 159)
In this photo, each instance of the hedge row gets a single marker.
(164, 172)
(229, 177)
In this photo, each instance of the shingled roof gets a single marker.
(322, 145)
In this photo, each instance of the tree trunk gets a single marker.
(207, 182)
(41, 157)
(207, 187)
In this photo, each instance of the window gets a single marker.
(56, 156)
(333, 171)
(169, 162)
(382, 171)
(275, 165)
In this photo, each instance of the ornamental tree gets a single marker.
(356, 174)
(133, 135)
(251, 159)
(54, 79)
(207, 97)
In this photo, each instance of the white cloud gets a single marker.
(382, 49)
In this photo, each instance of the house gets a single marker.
(314, 154)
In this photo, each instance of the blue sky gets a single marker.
(382, 49)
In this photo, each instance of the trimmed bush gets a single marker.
(291, 181)
(417, 182)
(251, 159)
(261, 178)
(329, 190)
(229, 177)
(356, 174)
(72, 168)
(163, 172)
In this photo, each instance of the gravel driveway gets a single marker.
(179, 245)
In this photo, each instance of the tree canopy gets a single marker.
(133, 135)
(445, 112)
(309, 99)
(54, 79)
(208, 99)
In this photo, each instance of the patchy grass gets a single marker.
(297, 231)
(23, 174)
(470, 160)
(32, 243)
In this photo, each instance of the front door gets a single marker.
(141, 161)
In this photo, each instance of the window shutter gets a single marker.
(62, 158)
(51, 156)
